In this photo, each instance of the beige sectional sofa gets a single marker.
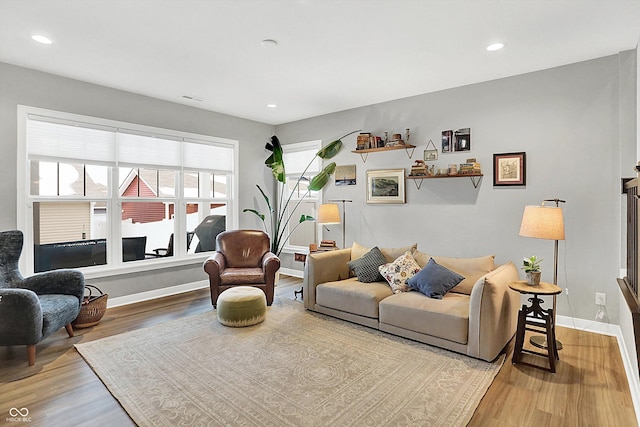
(477, 317)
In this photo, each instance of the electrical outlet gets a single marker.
(601, 298)
(566, 291)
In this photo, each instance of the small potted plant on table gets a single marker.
(531, 267)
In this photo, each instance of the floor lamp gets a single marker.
(328, 214)
(545, 222)
(344, 213)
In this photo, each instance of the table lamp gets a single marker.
(545, 222)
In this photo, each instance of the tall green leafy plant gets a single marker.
(279, 214)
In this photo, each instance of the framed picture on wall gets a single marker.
(345, 175)
(510, 169)
(385, 186)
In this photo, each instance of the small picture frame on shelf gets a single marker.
(386, 186)
(509, 169)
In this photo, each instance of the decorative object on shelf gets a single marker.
(368, 141)
(345, 175)
(462, 139)
(545, 222)
(419, 168)
(280, 214)
(470, 167)
(407, 135)
(453, 169)
(431, 154)
(509, 169)
(385, 186)
(447, 141)
(531, 267)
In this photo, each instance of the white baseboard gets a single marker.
(156, 293)
(611, 330)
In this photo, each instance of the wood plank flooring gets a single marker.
(589, 389)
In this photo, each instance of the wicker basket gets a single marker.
(93, 308)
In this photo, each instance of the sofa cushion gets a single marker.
(471, 268)
(446, 318)
(352, 296)
(366, 267)
(399, 271)
(390, 254)
(434, 280)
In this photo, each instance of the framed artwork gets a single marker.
(462, 139)
(345, 175)
(510, 169)
(431, 152)
(447, 141)
(385, 186)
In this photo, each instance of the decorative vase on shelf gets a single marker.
(533, 278)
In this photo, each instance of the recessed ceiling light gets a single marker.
(272, 105)
(269, 43)
(495, 46)
(41, 39)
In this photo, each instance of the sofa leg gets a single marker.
(31, 354)
(69, 329)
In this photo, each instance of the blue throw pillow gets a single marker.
(434, 280)
(366, 268)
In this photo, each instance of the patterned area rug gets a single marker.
(295, 369)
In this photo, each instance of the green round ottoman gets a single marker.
(242, 306)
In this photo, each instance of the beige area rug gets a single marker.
(295, 369)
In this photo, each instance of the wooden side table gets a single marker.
(536, 319)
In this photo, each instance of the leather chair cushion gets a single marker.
(238, 276)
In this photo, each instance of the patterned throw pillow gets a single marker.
(434, 280)
(399, 271)
(366, 267)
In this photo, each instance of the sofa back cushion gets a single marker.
(390, 254)
(471, 268)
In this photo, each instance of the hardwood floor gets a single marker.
(589, 389)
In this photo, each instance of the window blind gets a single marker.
(206, 156)
(297, 159)
(67, 142)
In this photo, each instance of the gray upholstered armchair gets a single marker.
(33, 308)
(242, 257)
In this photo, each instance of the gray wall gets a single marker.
(28, 87)
(566, 119)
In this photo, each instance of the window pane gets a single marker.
(97, 181)
(191, 186)
(206, 230)
(69, 235)
(305, 233)
(300, 190)
(167, 184)
(220, 186)
(147, 228)
(44, 178)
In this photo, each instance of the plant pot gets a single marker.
(533, 278)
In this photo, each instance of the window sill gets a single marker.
(142, 266)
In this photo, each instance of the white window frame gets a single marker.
(115, 265)
(315, 146)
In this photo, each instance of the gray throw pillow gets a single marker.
(434, 280)
(366, 268)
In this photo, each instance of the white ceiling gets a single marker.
(332, 55)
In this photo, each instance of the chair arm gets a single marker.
(493, 312)
(213, 266)
(270, 264)
(64, 282)
(20, 317)
(324, 267)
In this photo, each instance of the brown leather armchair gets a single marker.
(242, 257)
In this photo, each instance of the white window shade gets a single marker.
(207, 156)
(62, 141)
(296, 161)
(149, 151)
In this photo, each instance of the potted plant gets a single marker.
(279, 213)
(531, 267)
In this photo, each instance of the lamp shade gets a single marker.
(542, 222)
(328, 213)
